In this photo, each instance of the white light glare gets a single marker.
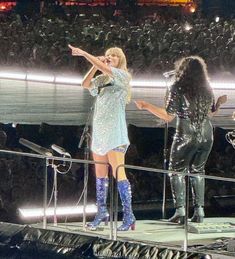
(12, 75)
(78, 80)
(60, 211)
(68, 80)
(217, 18)
(187, 27)
(223, 85)
(40, 78)
(148, 83)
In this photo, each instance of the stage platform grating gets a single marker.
(151, 239)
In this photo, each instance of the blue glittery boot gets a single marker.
(101, 198)
(124, 189)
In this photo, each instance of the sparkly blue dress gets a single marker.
(109, 128)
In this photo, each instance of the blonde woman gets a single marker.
(109, 132)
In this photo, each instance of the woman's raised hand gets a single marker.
(76, 51)
(102, 59)
(222, 99)
(140, 104)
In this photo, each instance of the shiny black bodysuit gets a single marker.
(191, 145)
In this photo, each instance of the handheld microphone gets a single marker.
(103, 86)
(169, 73)
(36, 148)
(59, 150)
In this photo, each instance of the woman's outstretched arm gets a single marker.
(86, 82)
(220, 101)
(157, 111)
(104, 68)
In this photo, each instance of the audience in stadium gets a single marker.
(151, 43)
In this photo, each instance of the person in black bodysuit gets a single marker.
(191, 100)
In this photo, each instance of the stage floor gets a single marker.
(160, 232)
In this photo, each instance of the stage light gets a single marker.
(13, 75)
(221, 85)
(217, 19)
(147, 83)
(68, 80)
(60, 211)
(187, 27)
(40, 78)
(3, 7)
(192, 8)
(73, 80)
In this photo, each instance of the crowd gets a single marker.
(151, 43)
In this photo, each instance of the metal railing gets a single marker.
(113, 187)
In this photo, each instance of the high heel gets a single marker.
(198, 215)
(179, 216)
(178, 193)
(100, 217)
(128, 222)
(124, 189)
(101, 197)
(198, 190)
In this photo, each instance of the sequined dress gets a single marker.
(109, 128)
(193, 139)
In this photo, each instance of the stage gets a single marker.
(151, 239)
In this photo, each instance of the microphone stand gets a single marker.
(42, 151)
(55, 192)
(86, 137)
(165, 160)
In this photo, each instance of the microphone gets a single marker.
(103, 81)
(36, 148)
(169, 73)
(103, 86)
(59, 150)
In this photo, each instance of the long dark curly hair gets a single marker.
(192, 81)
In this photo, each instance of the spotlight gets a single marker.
(217, 19)
(60, 211)
(187, 27)
(190, 7)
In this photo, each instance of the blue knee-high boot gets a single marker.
(101, 198)
(124, 189)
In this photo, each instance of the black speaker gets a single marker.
(224, 203)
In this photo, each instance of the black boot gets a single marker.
(198, 214)
(198, 190)
(179, 216)
(178, 193)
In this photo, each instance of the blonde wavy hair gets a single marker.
(122, 65)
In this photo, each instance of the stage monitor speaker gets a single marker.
(231, 245)
(206, 228)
